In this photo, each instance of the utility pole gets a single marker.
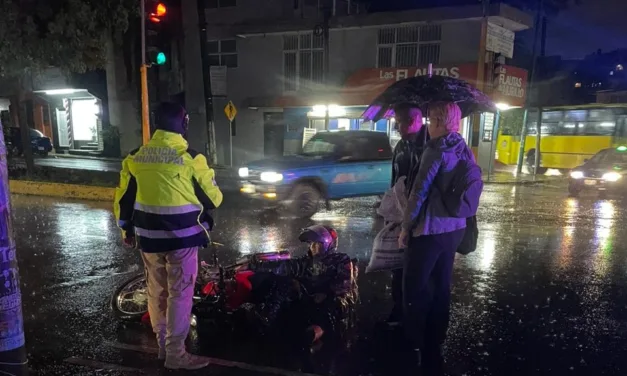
(326, 14)
(12, 351)
(539, 124)
(202, 27)
(143, 72)
(530, 88)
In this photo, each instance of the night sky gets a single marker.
(587, 27)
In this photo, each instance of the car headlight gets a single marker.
(611, 176)
(243, 172)
(271, 177)
(576, 174)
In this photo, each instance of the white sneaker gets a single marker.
(186, 361)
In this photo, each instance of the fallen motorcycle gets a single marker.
(218, 290)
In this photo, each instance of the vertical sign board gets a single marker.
(11, 322)
(217, 75)
(230, 111)
(500, 40)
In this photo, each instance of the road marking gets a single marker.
(101, 365)
(215, 361)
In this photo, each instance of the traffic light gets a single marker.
(156, 41)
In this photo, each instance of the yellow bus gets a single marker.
(569, 135)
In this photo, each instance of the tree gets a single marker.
(68, 34)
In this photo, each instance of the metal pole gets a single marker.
(143, 72)
(12, 351)
(202, 29)
(325, 40)
(231, 142)
(521, 149)
(538, 140)
(495, 129)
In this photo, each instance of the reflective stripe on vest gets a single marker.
(168, 210)
(172, 234)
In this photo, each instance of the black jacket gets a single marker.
(406, 160)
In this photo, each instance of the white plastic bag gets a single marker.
(394, 202)
(385, 252)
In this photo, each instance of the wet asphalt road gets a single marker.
(543, 295)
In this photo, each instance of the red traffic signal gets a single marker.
(157, 13)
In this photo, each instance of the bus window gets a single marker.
(576, 115)
(552, 116)
(622, 126)
(568, 128)
(549, 128)
(601, 115)
(598, 128)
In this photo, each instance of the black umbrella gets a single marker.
(422, 90)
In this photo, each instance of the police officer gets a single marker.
(164, 199)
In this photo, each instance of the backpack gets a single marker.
(462, 201)
(471, 234)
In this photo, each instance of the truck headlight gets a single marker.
(271, 177)
(611, 176)
(576, 174)
(243, 172)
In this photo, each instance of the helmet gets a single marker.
(325, 235)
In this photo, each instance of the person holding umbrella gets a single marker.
(405, 162)
(431, 237)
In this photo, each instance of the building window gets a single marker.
(303, 61)
(223, 53)
(212, 4)
(409, 46)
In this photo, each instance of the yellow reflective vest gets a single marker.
(165, 195)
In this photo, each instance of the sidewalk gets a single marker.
(502, 177)
(109, 159)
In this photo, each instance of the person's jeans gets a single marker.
(171, 277)
(427, 288)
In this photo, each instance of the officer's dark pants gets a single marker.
(427, 289)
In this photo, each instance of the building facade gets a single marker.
(276, 58)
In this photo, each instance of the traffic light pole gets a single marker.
(144, 78)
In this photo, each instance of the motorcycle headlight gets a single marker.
(243, 172)
(611, 176)
(576, 174)
(271, 177)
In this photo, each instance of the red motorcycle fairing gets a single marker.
(238, 291)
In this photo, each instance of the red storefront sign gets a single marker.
(366, 84)
(363, 86)
(510, 86)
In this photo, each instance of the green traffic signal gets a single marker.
(161, 59)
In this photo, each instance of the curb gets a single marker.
(74, 191)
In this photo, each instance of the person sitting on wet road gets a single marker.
(405, 162)
(319, 286)
(165, 197)
(431, 237)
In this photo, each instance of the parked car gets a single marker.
(604, 173)
(41, 145)
(333, 165)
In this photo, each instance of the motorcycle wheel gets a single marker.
(130, 301)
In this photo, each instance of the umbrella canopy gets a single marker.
(422, 90)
